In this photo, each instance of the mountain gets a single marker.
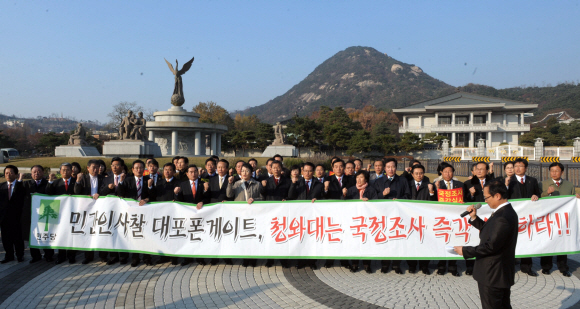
(355, 77)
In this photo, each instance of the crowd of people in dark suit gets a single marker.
(216, 182)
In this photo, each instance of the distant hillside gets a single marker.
(563, 97)
(355, 77)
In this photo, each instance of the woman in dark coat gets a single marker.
(361, 191)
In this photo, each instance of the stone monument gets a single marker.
(278, 145)
(77, 145)
(132, 140)
(179, 132)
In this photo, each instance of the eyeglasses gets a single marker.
(485, 198)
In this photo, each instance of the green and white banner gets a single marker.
(380, 229)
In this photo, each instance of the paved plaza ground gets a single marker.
(97, 285)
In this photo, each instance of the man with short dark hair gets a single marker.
(357, 165)
(36, 185)
(556, 186)
(524, 186)
(12, 195)
(495, 254)
(285, 171)
(319, 173)
(89, 185)
(181, 169)
(257, 173)
(141, 189)
(153, 168)
(379, 171)
(210, 169)
(391, 186)
(61, 186)
(238, 170)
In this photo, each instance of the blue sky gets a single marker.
(82, 57)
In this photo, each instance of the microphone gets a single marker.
(465, 213)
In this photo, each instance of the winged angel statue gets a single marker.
(177, 98)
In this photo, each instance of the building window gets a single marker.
(461, 120)
(479, 136)
(447, 136)
(444, 120)
(480, 119)
(462, 139)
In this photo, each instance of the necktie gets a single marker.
(38, 183)
(276, 181)
(66, 185)
(340, 181)
(247, 184)
(390, 178)
(221, 181)
(448, 185)
(193, 189)
(307, 186)
(557, 183)
(139, 189)
(522, 180)
(320, 179)
(9, 190)
(418, 186)
(482, 182)
(116, 180)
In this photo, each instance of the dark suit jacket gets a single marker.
(297, 190)
(335, 189)
(409, 177)
(104, 190)
(205, 175)
(57, 187)
(164, 191)
(399, 187)
(215, 194)
(423, 193)
(353, 194)
(474, 182)
(128, 189)
(186, 194)
(530, 187)
(11, 209)
(30, 187)
(83, 187)
(495, 254)
(273, 192)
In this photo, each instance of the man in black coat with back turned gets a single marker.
(89, 185)
(523, 186)
(62, 186)
(12, 196)
(495, 254)
(36, 185)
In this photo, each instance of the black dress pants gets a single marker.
(494, 298)
(451, 265)
(12, 239)
(35, 253)
(526, 264)
(561, 262)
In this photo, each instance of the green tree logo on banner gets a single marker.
(49, 210)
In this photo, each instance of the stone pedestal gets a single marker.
(131, 149)
(539, 148)
(481, 151)
(76, 151)
(283, 150)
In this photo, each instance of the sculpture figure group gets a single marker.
(78, 138)
(132, 128)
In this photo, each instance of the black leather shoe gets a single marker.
(123, 261)
(104, 260)
(229, 261)
(34, 260)
(441, 271)
(86, 261)
(354, 269)
(345, 264)
(566, 273)
(200, 261)
(531, 273)
(253, 263)
(4, 261)
(186, 261)
(269, 263)
(398, 271)
(313, 266)
(329, 264)
(174, 261)
(455, 273)
(213, 262)
(368, 270)
(134, 262)
(426, 271)
(59, 260)
(469, 271)
(148, 262)
(114, 260)
(384, 269)
(412, 270)
(72, 260)
(245, 263)
(162, 260)
(545, 271)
